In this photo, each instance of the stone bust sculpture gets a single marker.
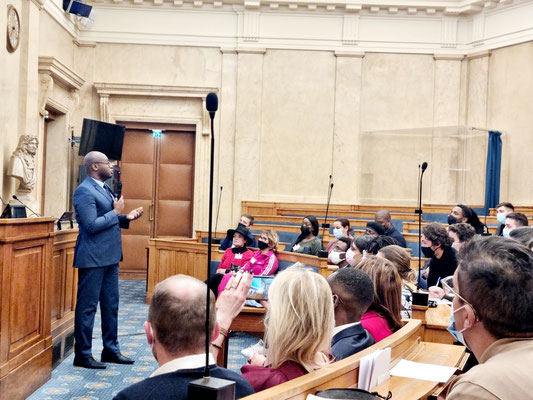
(22, 163)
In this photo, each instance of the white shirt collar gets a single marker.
(338, 329)
(187, 362)
(100, 183)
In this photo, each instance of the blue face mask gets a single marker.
(338, 233)
(506, 232)
(458, 335)
(501, 217)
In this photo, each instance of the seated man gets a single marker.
(493, 312)
(337, 252)
(246, 221)
(513, 221)
(502, 210)
(383, 217)
(176, 332)
(353, 293)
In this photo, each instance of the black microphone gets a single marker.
(119, 189)
(424, 166)
(33, 212)
(211, 104)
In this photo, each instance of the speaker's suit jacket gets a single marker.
(99, 243)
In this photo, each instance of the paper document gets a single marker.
(374, 369)
(425, 372)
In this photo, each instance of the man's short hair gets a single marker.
(380, 242)
(437, 234)
(523, 235)
(358, 287)
(346, 241)
(464, 231)
(506, 205)
(179, 321)
(495, 275)
(250, 217)
(520, 218)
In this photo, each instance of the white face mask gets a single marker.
(350, 254)
(501, 217)
(335, 257)
(338, 233)
(506, 232)
(456, 245)
(458, 335)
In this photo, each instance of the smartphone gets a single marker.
(259, 288)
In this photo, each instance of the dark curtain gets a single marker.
(494, 163)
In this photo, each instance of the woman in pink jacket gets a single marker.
(263, 261)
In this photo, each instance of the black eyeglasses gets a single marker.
(336, 296)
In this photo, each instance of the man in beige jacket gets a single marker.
(493, 312)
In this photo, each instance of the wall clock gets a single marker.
(13, 29)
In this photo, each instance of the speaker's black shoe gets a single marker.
(88, 362)
(115, 358)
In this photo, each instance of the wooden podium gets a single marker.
(25, 305)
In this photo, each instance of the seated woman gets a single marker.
(437, 245)
(358, 249)
(299, 327)
(341, 228)
(263, 261)
(308, 242)
(384, 315)
(239, 254)
(399, 257)
(462, 213)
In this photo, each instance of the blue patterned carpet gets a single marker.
(69, 382)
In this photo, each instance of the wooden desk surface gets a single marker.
(438, 317)
(430, 353)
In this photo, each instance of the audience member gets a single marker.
(523, 235)
(492, 314)
(460, 233)
(462, 213)
(263, 262)
(239, 254)
(399, 257)
(299, 326)
(175, 331)
(384, 315)
(308, 241)
(358, 249)
(502, 210)
(380, 242)
(341, 229)
(374, 229)
(337, 254)
(383, 217)
(437, 245)
(246, 221)
(353, 293)
(513, 221)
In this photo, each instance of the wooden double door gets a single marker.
(158, 174)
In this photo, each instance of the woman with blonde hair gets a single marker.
(384, 315)
(399, 257)
(299, 327)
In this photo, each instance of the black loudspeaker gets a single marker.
(102, 137)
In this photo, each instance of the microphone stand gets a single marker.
(419, 212)
(33, 212)
(323, 253)
(217, 241)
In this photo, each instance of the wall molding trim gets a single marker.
(60, 73)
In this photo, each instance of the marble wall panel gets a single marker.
(297, 125)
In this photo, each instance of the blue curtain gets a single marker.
(494, 163)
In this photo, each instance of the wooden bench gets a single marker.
(405, 344)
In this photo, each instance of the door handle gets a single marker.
(152, 212)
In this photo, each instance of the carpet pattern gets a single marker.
(69, 382)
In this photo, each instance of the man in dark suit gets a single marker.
(97, 253)
(176, 332)
(383, 217)
(353, 293)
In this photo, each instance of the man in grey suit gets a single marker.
(97, 253)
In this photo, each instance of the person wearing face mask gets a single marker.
(513, 221)
(357, 249)
(460, 234)
(246, 221)
(337, 254)
(499, 333)
(308, 241)
(383, 217)
(341, 229)
(462, 213)
(502, 210)
(437, 245)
